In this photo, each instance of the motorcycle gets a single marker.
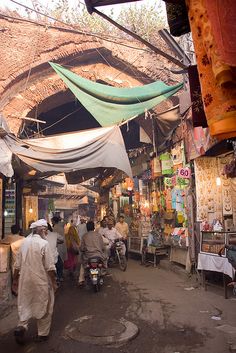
(118, 255)
(94, 275)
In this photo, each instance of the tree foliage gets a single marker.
(145, 19)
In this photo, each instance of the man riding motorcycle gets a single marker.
(112, 234)
(92, 246)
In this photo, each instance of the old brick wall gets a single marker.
(26, 78)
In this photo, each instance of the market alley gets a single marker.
(172, 312)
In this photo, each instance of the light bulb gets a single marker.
(31, 210)
(146, 204)
(218, 181)
(5, 213)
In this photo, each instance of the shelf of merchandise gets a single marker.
(136, 244)
(211, 242)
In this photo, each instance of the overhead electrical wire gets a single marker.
(60, 21)
(72, 28)
(57, 122)
(100, 36)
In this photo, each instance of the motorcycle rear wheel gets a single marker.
(123, 263)
(96, 288)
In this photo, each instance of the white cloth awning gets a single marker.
(86, 151)
(5, 159)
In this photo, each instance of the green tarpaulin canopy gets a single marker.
(112, 105)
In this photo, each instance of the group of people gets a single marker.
(40, 258)
(38, 261)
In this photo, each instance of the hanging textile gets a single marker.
(156, 167)
(222, 16)
(88, 151)
(165, 124)
(198, 114)
(111, 105)
(166, 163)
(5, 159)
(177, 17)
(217, 78)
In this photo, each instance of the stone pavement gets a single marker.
(171, 312)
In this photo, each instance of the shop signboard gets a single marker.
(168, 182)
(183, 183)
(184, 173)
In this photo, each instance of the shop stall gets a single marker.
(9, 207)
(171, 189)
(140, 228)
(209, 260)
(159, 199)
(216, 213)
(30, 210)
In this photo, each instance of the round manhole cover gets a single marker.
(101, 328)
(95, 330)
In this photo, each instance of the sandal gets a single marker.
(19, 334)
(40, 338)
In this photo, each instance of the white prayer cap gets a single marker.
(39, 223)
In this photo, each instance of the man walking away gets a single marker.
(81, 228)
(62, 250)
(54, 239)
(35, 280)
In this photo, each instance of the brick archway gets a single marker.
(27, 81)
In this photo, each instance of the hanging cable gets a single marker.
(82, 31)
(57, 122)
(91, 34)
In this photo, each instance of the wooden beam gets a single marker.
(28, 118)
(140, 39)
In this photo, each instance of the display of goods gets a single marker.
(205, 247)
(135, 244)
(230, 169)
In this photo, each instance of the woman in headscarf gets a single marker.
(72, 244)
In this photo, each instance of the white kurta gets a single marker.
(35, 292)
(62, 250)
(52, 238)
(112, 235)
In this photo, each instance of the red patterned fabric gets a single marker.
(222, 15)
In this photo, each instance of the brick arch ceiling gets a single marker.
(27, 80)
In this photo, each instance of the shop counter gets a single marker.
(155, 252)
(136, 244)
(215, 263)
(207, 262)
(180, 255)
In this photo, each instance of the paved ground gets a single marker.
(171, 319)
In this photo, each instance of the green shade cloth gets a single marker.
(112, 105)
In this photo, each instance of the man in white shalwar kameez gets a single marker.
(35, 279)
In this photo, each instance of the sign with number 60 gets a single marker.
(184, 173)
